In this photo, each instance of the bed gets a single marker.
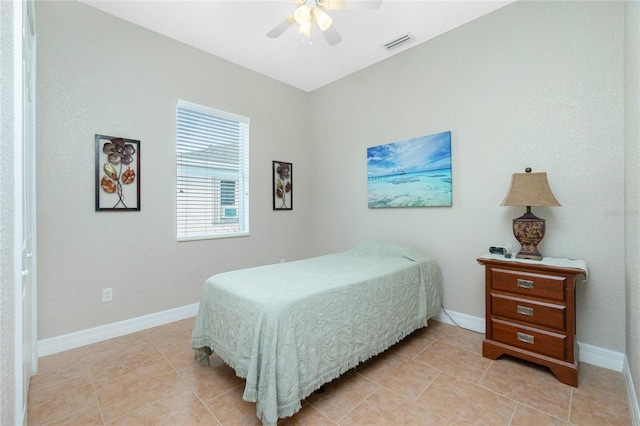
(288, 328)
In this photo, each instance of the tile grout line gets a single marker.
(484, 374)
(357, 405)
(206, 407)
(523, 403)
(95, 393)
(57, 386)
(414, 401)
(215, 397)
(138, 368)
(513, 415)
(570, 405)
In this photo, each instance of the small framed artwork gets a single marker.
(282, 185)
(117, 174)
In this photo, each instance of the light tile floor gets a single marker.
(436, 376)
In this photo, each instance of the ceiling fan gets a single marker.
(309, 11)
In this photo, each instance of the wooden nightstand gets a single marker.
(530, 312)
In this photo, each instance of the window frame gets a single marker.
(203, 218)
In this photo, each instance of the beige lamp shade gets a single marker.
(530, 189)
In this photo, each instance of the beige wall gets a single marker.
(536, 84)
(632, 186)
(7, 263)
(99, 74)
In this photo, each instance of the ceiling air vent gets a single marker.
(400, 41)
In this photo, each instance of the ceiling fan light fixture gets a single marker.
(307, 12)
(302, 14)
(322, 18)
(305, 29)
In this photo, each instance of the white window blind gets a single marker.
(212, 156)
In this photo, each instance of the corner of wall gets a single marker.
(632, 396)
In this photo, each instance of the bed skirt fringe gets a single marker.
(289, 408)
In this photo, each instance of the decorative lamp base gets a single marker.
(529, 231)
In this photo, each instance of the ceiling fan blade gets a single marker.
(281, 27)
(332, 36)
(352, 4)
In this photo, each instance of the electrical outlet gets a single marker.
(107, 295)
(283, 260)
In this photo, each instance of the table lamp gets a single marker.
(529, 189)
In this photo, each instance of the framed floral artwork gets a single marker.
(117, 174)
(282, 185)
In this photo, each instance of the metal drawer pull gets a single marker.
(524, 310)
(524, 283)
(526, 338)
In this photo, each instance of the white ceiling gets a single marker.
(236, 31)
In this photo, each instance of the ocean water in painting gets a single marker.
(411, 173)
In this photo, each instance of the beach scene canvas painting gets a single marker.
(410, 173)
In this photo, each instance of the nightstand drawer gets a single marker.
(535, 340)
(535, 285)
(532, 312)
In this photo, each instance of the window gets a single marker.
(228, 200)
(212, 155)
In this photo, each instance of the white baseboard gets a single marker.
(634, 408)
(462, 320)
(98, 334)
(600, 357)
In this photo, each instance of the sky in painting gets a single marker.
(420, 154)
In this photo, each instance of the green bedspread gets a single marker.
(290, 327)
